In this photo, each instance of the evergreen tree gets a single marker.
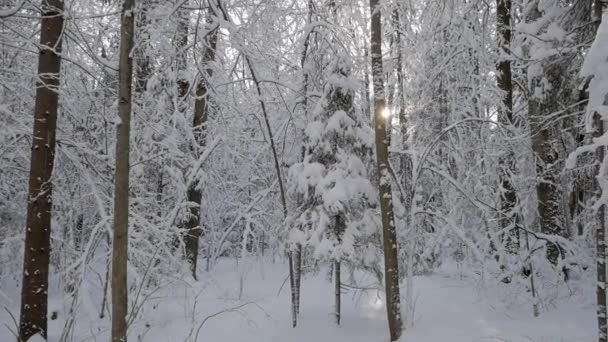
(337, 218)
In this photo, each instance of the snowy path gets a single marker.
(447, 309)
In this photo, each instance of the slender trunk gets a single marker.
(509, 219)
(104, 298)
(121, 177)
(201, 114)
(406, 167)
(297, 277)
(143, 68)
(297, 274)
(276, 161)
(292, 278)
(34, 289)
(339, 229)
(366, 83)
(292, 284)
(391, 266)
(535, 311)
(337, 280)
(601, 246)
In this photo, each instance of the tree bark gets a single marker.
(121, 177)
(601, 246)
(546, 188)
(297, 256)
(391, 266)
(601, 243)
(337, 280)
(509, 219)
(34, 289)
(339, 229)
(201, 113)
(292, 279)
(143, 69)
(543, 137)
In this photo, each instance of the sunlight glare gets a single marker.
(386, 113)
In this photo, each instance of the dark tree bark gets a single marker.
(297, 254)
(391, 265)
(543, 140)
(601, 248)
(337, 280)
(339, 229)
(34, 289)
(601, 243)
(201, 113)
(121, 178)
(509, 219)
(143, 69)
(547, 190)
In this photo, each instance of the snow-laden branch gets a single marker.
(9, 12)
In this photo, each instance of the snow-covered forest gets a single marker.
(303, 170)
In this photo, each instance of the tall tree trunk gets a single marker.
(601, 242)
(275, 157)
(391, 266)
(297, 255)
(543, 136)
(546, 188)
(277, 166)
(34, 289)
(505, 83)
(337, 280)
(201, 113)
(297, 275)
(601, 246)
(121, 176)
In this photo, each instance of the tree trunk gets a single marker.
(293, 282)
(601, 247)
(509, 219)
(201, 113)
(297, 257)
(337, 308)
(546, 187)
(339, 229)
(601, 243)
(602, 312)
(391, 267)
(34, 289)
(297, 275)
(121, 177)
(143, 68)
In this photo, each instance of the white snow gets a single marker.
(11, 10)
(242, 303)
(36, 338)
(596, 65)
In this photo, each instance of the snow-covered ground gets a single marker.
(243, 303)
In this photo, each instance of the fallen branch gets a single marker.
(217, 314)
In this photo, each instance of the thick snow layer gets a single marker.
(36, 338)
(596, 65)
(242, 303)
